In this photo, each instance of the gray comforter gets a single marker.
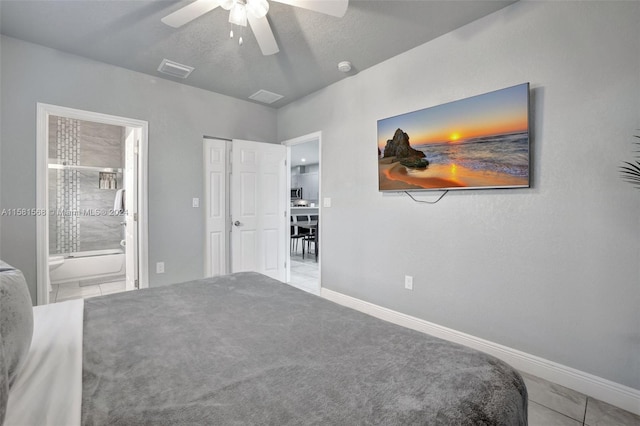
(245, 349)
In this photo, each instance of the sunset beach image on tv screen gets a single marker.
(477, 142)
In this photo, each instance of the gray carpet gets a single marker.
(248, 350)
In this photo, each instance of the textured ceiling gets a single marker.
(129, 34)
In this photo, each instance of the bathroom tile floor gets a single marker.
(73, 290)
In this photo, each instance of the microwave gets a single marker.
(296, 193)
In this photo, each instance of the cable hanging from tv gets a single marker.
(427, 202)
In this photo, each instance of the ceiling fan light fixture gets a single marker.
(252, 12)
(258, 8)
(238, 14)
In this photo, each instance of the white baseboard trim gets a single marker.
(605, 390)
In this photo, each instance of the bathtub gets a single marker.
(89, 265)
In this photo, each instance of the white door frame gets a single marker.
(131, 223)
(221, 205)
(289, 143)
(42, 193)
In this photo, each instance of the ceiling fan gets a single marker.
(255, 12)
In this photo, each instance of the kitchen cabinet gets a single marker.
(306, 177)
(295, 181)
(309, 183)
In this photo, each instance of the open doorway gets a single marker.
(305, 231)
(91, 182)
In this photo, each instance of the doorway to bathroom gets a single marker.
(92, 192)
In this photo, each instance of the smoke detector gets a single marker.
(344, 66)
(175, 69)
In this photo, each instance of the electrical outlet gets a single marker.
(408, 282)
(160, 268)
(327, 202)
(196, 202)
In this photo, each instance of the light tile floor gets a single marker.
(305, 273)
(73, 290)
(555, 405)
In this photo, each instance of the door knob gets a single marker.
(236, 223)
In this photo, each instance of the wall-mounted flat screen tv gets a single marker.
(473, 143)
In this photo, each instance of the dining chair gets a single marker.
(297, 234)
(310, 238)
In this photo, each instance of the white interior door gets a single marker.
(258, 208)
(215, 165)
(131, 207)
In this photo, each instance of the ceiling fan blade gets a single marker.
(190, 12)
(329, 7)
(262, 30)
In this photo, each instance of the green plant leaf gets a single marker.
(630, 172)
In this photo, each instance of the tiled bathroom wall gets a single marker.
(76, 194)
(65, 183)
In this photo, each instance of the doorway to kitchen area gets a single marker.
(305, 230)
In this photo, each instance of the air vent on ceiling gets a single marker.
(265, 96)
(175, 69)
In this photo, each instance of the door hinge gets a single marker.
(136, 147)
(135, 217)
(136, 284)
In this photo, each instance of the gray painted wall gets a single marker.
(552, 270)
(178, 117)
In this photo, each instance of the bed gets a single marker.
(242, 349)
